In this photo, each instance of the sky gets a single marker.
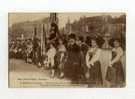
(63, 17)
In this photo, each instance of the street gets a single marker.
(24, 75)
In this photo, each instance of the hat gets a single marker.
(72, 36)
(81, 38)
(88, 40)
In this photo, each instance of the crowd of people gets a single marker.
(72, 57)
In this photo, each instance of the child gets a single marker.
(61, 57)
(29, 52)
(50, 57)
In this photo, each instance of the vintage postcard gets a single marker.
(67, 50)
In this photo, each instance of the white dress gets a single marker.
(51, 54)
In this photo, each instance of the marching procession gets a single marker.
(77, 58)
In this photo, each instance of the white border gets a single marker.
(68, 6)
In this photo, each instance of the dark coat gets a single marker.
(73, 63)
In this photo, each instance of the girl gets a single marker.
(50, 55)
(115, 63)
(93, 75)
(61, 57)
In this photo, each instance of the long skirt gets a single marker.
(95, 78)
(118, 78)
(72, 71)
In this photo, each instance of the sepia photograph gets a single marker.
(67, 50)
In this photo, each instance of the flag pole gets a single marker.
(44, 38)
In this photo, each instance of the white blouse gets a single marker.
(96, 52)
(119, 53)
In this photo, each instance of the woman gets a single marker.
(93, 75)
(73, 63)
(61, 57)
(83, 50)
(118, 75)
